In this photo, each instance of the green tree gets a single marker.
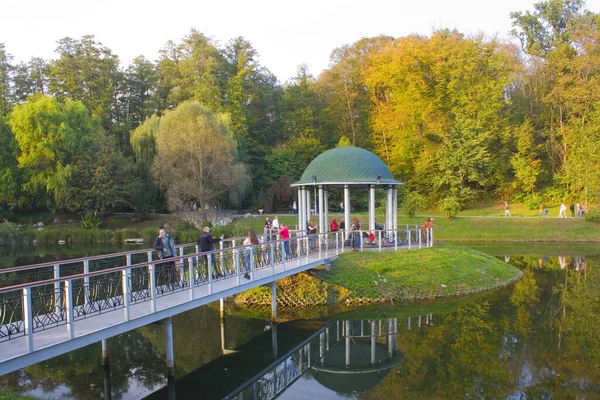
(30, 78)
(196, 158)
(525, 161)
(50, 135)
(101, 177)
(5, 80)
(9, 174)
(89, 72)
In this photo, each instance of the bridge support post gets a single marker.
(390, 338)
(222, 319)
(274, 340)
(373, 338)
(169, 348)
(347, 343)
(106, 368)
(105, 352)
(273, 301)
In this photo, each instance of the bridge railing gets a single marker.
(57, 269)
(28, 308)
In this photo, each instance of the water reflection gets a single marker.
(535, 339)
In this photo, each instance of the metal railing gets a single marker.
(65, 301)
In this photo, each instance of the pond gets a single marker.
(535, 339)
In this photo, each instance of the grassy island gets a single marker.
(362, 278)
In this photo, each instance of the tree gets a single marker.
(5, 78)
(9, 174)
(89, 72)
(196, 157)
(525, 162)
(30, 78)
(101, 177)
(140, 85)
(50, 135)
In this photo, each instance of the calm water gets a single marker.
(537, 339)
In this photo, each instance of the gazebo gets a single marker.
(347, 167)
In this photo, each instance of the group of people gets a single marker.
(575, 209)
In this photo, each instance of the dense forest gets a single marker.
(458, 118)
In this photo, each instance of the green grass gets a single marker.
(432, 272)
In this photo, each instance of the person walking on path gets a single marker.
(578, 210)
(572, 209)
(541, 210)
(206, 243)
(506, 212)
(252, 239)
(165, 246)
(562, 211)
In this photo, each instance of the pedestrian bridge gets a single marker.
(53, 308)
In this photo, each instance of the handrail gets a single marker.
(112, 255)
(138, 265)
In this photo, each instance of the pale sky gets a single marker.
(284, 33)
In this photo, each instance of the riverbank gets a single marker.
(387, 277)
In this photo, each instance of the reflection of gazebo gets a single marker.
(359, 363)
(346, 167)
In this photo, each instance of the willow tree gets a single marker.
(196, 158)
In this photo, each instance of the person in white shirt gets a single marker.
(275, 223)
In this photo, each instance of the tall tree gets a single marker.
(195, 159)
(89, 72)
(5, 80)
(30, 78)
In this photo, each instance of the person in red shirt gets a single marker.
(333, 227)
(285, 236)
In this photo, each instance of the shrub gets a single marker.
(412, 201)
(450, 206)
(592, 215)
(11, 234)
(90, 220)
(532, 201)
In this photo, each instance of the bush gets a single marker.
(532, 201)
(412, 201)
(90, 220)
(450, 206)
(592, 215)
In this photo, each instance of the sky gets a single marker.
(285, 33)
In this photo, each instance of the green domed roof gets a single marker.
(347, 165)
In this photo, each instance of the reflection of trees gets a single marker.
(537, 339)
(82, 373)
(457, 358)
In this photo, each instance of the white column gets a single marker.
(372, 208)
(322, 227)
(347, 208)
(273, 302)
(395, 211)
(388, 208)
(307, 194)
(326, 208)
(299, 204)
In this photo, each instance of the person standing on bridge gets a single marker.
(252, 239)
(285, 236)
(206, 243)
(165, 246)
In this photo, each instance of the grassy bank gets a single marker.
(434, 272)
(362, 278)
(482, 229)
